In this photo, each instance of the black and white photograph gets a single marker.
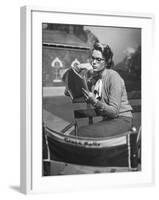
(91, 99)
(79, 100)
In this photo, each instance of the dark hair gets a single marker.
(106, 52)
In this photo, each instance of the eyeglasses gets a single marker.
(97, 59)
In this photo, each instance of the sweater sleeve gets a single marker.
(112, 107)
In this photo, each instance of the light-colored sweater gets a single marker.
(114, 101)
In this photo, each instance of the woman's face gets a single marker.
(97, 61)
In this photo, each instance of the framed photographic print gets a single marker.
(86, 120)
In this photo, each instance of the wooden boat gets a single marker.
(115, 151)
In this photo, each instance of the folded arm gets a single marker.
(112, 107)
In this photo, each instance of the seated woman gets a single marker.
(107, 94)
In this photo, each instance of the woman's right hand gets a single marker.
(83, 66)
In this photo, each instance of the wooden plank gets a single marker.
(83, 113)
(63, 168)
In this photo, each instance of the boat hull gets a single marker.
(116, 151)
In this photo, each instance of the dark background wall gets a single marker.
(70, 42)
(66, 56)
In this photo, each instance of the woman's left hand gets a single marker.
(89, 96)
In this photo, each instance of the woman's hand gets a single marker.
(83, 66)
(89, 97)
